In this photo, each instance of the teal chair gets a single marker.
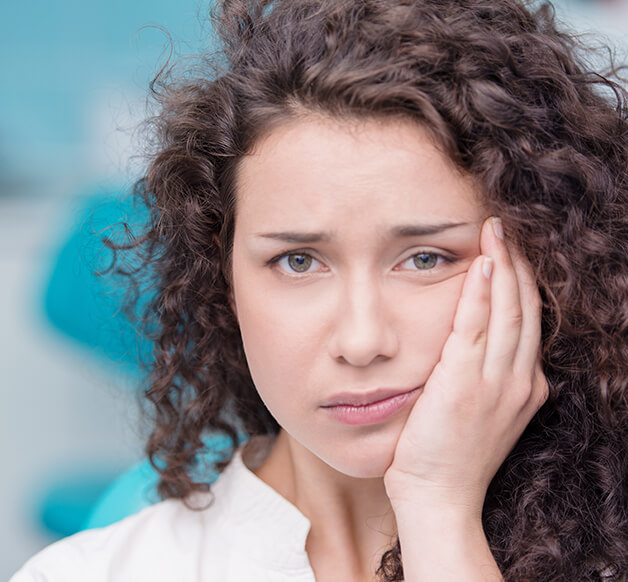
(82, 300)
(84, 297)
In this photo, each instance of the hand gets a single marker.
(482, 393)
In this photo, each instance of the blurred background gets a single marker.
(73, 90)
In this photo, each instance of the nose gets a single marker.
(362, 331)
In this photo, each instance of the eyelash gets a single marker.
(441, 259)
(275, 261)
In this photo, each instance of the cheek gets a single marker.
(430, 314)
(278, 337)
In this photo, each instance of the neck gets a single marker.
(352, 522)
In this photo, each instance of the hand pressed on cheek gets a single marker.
(483, 391)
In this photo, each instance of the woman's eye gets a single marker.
(296, 262)
(423, 261)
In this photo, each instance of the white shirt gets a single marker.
(248, 532)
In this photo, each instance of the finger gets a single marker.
(466, 345)
(538, 394)
(506, 314)
(527, 356)
(540, 389)
(541, 386)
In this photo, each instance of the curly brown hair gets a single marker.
(511, 100)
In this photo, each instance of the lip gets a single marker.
(369, 407)
(364, 398)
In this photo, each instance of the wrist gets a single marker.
(408, 495)
(459, 522)
(444, 539)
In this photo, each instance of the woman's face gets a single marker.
(351, 245)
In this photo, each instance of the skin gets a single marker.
(364, 315)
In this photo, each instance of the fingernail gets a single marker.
(487, 267)
(498, 228)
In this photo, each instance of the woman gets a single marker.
(389, 240)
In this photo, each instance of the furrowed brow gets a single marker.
(405, 230)
(297, 237)
(423, 229)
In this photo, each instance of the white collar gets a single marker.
(277, 529)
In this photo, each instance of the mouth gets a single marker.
(369, 407)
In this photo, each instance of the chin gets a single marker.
(368, 460)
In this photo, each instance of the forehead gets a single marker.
(324, 169)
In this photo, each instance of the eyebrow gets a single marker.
(424, 229)
(404, 230)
